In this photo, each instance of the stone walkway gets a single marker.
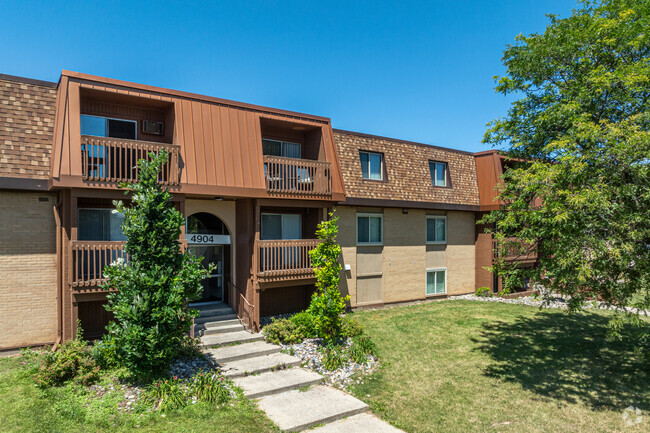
(291, 396)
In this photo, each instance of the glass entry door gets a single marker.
(213, 285)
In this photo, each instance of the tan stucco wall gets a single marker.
(28, 291)
(405, 256)
(225, 210)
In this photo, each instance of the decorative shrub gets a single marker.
(333, 356)
(351, 328)
(210, 388)
(171, 394)
(71, 361)
(155, 284)
(304, 321)
(166, 395)
(327, 304)
(365, 344)
(484, 292)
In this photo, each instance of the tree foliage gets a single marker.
(327, 305)
(155, 284)
(582, 122)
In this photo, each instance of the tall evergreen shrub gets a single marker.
(152, 318)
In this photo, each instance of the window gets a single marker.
(370, 229)
(438, 173)
(372, 165)
(436, 281)
(281, 226)
(100, 225)
(436, 229)
(281, 148)
(107, 127)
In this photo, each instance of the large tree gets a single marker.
(581, 123)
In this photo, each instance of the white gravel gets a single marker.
(351, 372)
(549, 301)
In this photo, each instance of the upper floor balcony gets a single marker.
(517, 251)
(302, 177)
(107, 159)
(217, 148)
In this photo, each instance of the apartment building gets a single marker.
(253, 183)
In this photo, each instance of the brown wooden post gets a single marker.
(256, 286)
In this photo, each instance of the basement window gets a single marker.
(436, 282)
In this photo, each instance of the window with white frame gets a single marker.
(438, 173)
(370, 229)
(372, 165)
(281, 148)
(436, 281)
(108, 127)
(436, 229)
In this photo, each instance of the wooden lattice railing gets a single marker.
(108, 159)
(89, 259)
(291, 176)
(284, 258)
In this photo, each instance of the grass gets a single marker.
(458, 366)
(26, 408)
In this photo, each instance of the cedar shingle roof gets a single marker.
(26, 126)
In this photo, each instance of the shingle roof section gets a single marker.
(26, 128)
(407, 167)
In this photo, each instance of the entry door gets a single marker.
(213, 285)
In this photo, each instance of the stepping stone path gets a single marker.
(291, 396)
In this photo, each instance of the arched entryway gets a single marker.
(208, 237)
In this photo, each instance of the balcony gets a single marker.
(106, 159)
(283, 260)
(297, 177)
(89, 259)
(516, 254)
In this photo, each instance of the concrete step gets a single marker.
(221, 329)
(258, 364)
(299, 410)
(361, 423)
(216, 318)
(220, 355)
(220, 322)
(275, 382)
(229, 338)
(213, 312)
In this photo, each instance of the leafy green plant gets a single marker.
(71, 361)
(357, 354)
(350, 327)
(333, 356)
(484, 292)
(327, 304)
(209, 387)
(155, 284)
(365, 344)
(166, 395)
(283, 331)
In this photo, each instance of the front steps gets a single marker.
(218, 325)
(291, 396)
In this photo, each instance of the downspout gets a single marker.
(59, 263)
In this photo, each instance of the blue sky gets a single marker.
(419, 71)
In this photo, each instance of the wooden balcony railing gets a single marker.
(293, 176)
(108, 159)
(516, 254)
(89, 259)
(284, 259)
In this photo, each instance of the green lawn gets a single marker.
(459, 366)
(26, 408)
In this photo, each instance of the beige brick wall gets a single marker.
(405, 256)
(28, 291)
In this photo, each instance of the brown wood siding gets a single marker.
(221, 143)
(288, 299)
(483, 256)
(488, 171)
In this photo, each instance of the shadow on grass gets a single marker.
(567, 357)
